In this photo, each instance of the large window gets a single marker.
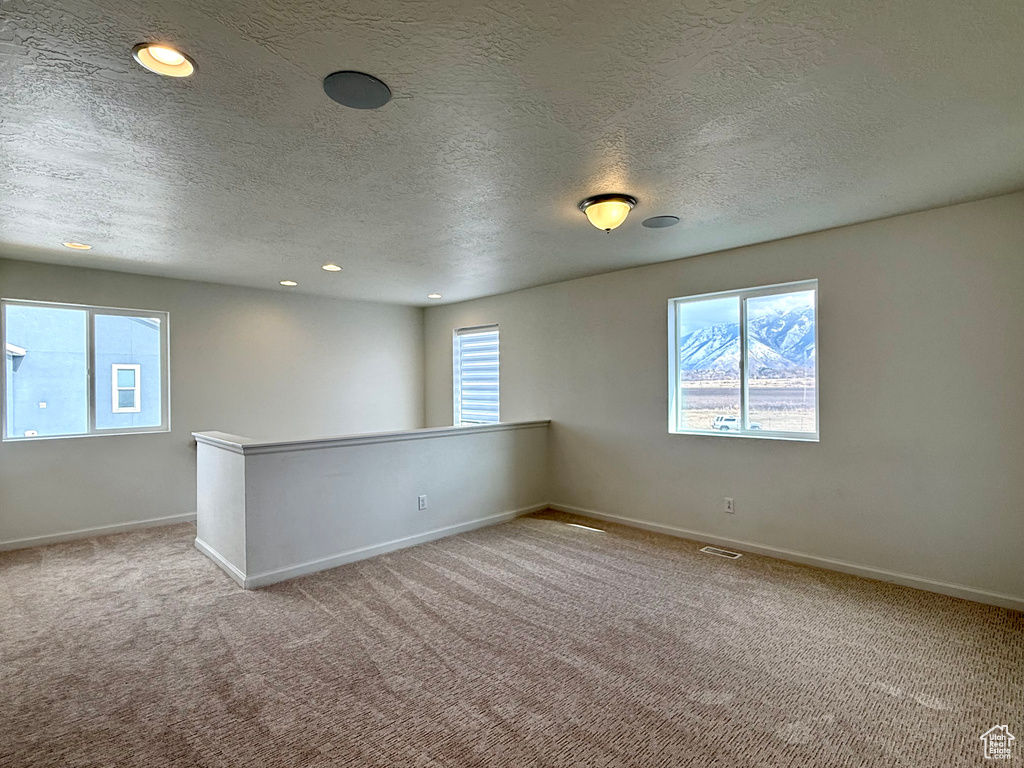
(71, 370)
(745, 363)
(475, 353)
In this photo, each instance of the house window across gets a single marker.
(126, 389)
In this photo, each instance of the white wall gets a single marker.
(920, 468)
(259, 363)
(273, 512)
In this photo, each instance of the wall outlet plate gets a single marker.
(730, 506)
(421, 502)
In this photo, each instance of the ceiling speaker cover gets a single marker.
(357, 90)
(658, 222)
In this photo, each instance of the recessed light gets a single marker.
(77, 246)
(163, 60)
(433, 295)
(331, 268)
(289, 283)
(660, 222)
(357, 90)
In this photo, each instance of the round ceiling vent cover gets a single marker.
(357, 90)
(658, 222)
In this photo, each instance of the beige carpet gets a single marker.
(532, 643)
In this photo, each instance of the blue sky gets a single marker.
(693, 316)
(771, 304)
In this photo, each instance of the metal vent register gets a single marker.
(721, 552)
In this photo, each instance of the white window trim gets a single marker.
(457, 370)
(673, 366)
(116, 390)
(92, 311)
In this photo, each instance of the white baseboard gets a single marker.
(220, 560)
(867, 571)
(325, 563)
(272, 577)
(89, 533)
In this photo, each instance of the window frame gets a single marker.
(91, 313)
(116, 389)
(741, 294)
(457, 370)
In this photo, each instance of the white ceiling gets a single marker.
(749, 120)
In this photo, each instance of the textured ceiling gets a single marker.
(749, 120)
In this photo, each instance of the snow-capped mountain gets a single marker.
(781, 344)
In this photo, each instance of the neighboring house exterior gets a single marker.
(14, 356)
(127, 341)
(47, 371)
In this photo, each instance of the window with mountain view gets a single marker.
(745, 362)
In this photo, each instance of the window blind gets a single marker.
(476, 375)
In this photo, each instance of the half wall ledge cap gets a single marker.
(224, 440)
(249, 446)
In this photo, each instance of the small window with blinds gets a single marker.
(476, 375)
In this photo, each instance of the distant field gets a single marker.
(786, 407)
(754, 383)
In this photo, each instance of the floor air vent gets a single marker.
(721, 552)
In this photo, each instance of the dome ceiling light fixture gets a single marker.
(77, 246)
(331, 268)
(607, 211)
(660, 222)
(163, 60)
(357, 90)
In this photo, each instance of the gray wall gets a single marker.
(263, 364)
(920, 468)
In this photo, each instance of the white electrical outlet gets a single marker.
(421, 502)
(730, 507)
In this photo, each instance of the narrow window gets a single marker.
(76, 370)
(475, 354)
(745, 363)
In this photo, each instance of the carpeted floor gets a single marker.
(532, 643)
